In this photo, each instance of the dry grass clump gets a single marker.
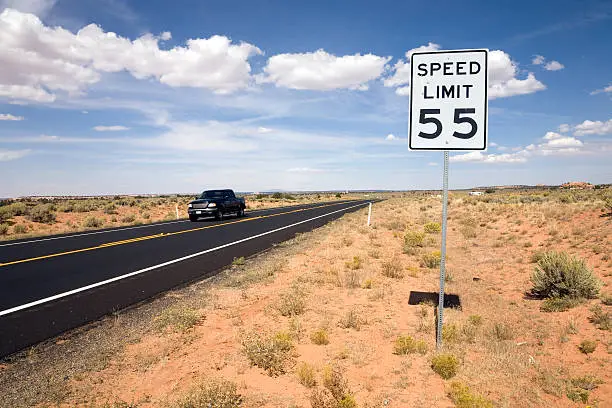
(431, 260)
(502, 331)
(293, 302)
(306, 374)
(4, 229)
(178, 318)
(210, 394)
(600, 319)
(463, 397)
(319, 337)
(407, 345)
(93, 222)
(270, 352)
(445, 365)
(336, 392)
(393, 269)
(351, 320)
(587, 346)
(450, 333)
(606, 298)
(559, 275)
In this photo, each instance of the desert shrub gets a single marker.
(277, 196)
(606, 299)
(586, 382)
(556, 304)
(463, 397)
(351, 320)
(178, 318)
(11, 210)
(211, 394)
(128, 218)
(578, 395)
(475, 320)
(338, 195)
(42, 213)
(292, 302)
(337, 385)
(450, 333)
(600, 318)
(20, 229)
(393, 269)
(432, 227)
(502, 331)
(432, 259)
(110, 208)
(407, 345)
(93, 222)
(587, 346)
(306, 374)
(261, 196)
(355, 263)
(4, 229)
(84, 206)
(238, 261)
(319, 337)
(560, 275)
(413, 240)
(468, 232)
(269, 352)
(367, 284)
(536, 256)
(445, 365)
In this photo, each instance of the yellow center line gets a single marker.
(160, 235)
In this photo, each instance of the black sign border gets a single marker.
(486, 127)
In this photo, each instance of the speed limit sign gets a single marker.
(448, 100)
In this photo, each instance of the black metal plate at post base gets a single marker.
(450, 300)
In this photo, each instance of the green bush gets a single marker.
(128, 219)
(93, 222)
(4, 229)
(407, 345)
(11, 210)
(445, 365)
(432, 259)
(42, 213)
(463, 397)
(211, 394)
(600, 319)
(413, 240)
(20, 229)
(110, 208)
(559, 275)
(432, 227)
(306, 374)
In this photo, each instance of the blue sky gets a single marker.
(117, 96)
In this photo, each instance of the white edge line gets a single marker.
(161, 265)
(157, 224)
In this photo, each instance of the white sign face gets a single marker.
(448, 100)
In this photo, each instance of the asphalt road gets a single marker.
(53, 284)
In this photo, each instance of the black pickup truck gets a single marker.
(216, 203)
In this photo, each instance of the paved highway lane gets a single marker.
(48, 286)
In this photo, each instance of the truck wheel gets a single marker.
(241, 213)
(218, 215)
(193, 218)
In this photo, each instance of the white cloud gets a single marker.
(563, 142)
(593, 128)
(602, 90)
(37, 61)
(390, 136)
(38, 7)
(8, 116)
(552, 135)
(401, 69)
(554, 66)
(7, 155)
(538, 60)
(304, 170)
(262, 129)
(564, 128)
(115, 128)
(322, 71)
(490, 158)
(503, 80)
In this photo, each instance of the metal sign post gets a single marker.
(448, 112)
(443, 252)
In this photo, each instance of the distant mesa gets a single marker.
(577, 185)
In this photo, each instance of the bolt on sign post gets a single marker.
(448, 112)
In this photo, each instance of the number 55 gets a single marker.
(423, 119)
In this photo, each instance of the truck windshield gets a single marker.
(213, 194)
